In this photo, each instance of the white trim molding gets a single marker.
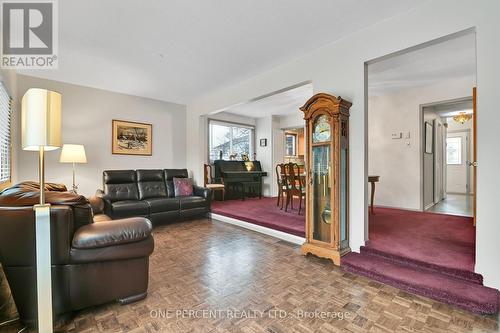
(260, 229)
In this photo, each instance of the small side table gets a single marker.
(372, 180)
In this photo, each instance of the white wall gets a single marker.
(338, 68)
(270, 128)
(293, 120)
(87, 116)
(264, 130)
(278, 150)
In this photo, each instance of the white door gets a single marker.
(457, 162)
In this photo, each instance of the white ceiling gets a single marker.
(446, 110)
(454, 58)
(280, 104)
(177, 50)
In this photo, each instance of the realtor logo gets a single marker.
(29, 34)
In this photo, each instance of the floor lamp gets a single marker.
(73, 154)
(41, 131)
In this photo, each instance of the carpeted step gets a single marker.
(443, 288)
(263, 212)
(453, 272)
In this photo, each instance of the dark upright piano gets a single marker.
(240, 177)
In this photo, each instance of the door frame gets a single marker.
(421, 129)
(474, 154)
(367, 63)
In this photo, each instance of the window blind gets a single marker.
(5, 128)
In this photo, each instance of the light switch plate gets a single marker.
(397, 135)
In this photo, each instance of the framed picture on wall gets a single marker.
(429, 136)
(132, 138)
(263, 142)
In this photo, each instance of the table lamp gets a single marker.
(73, 154)
(41, 131)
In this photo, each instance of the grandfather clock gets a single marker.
(327, 213)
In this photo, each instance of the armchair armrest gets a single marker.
(202, 192)
(111, 233)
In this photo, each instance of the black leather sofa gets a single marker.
(150, 193)
(92, 262)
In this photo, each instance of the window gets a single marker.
(5, 128)
(454, 150)
(290, 144)
(228, 139)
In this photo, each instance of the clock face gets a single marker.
(321, 129)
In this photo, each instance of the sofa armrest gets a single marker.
(202, 192)
(111, 233)
(97, 204)
(105, 199)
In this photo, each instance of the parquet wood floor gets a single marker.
(261, 284)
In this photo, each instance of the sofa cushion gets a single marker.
(183, 187)
(192, 202)
(120, 185)
(151, 184)
(160, 205)
(179, 173)
(127, 208)
(169, 179)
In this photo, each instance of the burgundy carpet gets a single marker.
(467, 295)
(427, 254)
(439, 239)
(264, 212)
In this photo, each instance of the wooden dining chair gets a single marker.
(281, 182)
(286, 183)
(208, 181)
(295, 186)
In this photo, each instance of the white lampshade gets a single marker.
(41, 119)
(73, 154)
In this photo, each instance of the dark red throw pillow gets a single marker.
(183, 187)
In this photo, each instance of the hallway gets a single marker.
(454, 204)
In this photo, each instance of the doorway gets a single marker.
(447, 157)
(277, 134)
(413, 97)
(294, 145)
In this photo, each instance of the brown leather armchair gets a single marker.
(92, 263)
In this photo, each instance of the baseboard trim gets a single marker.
(260, 229)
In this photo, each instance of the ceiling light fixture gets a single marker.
(462, 117)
